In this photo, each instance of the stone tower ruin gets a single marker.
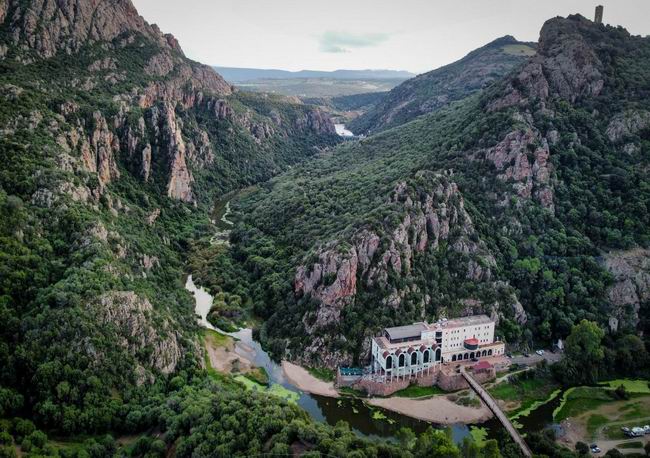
(598, 19)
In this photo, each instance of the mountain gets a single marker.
(438, 88)
(114, 147)
(239, 75)
(526, 201)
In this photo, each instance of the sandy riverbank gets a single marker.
(304, 381)
(437, 409)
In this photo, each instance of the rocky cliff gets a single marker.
(434, 220)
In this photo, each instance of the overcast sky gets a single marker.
(414, 35)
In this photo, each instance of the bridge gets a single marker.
(494, 407)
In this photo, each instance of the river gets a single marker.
(364, 420)
(342, 131)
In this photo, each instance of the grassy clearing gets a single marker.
(249, 384)
(579, 400)
(595, 422)
(634, 444)
(519, 50)
(631, 386)
(415, 391)
(529, 393)
(258, 375)
(217, 339)
(322, 373)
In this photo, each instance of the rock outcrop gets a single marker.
(631, 272)
(627, 124)
(522, 158)
(341, 270)
(133, 319)
(565, 65)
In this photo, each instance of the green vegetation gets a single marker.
(258, 375)
(479, 435)
(319, 87)
(633, 444)
(322, 373)
(434, 90)
(578, 400)
(631, 386)
(595, 422)
(416, 391)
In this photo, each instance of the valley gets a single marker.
(320, 263)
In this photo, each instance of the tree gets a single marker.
(406, 438)
(582, 448)
(583, 354)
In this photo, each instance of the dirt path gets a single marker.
(437, 409)
(304, 381)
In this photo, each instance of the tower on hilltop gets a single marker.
(598, 19)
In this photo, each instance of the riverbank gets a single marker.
(304, 381)
(437, 409)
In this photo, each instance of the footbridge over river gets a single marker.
(494, 407)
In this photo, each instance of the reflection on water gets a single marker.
(321, 408)
(342, 131)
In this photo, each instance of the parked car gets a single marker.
(625, 429)
(646, 428)
(638, 432)
(595, 448)
(540, 352)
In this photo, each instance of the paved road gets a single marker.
(534, 358)
(494, 407)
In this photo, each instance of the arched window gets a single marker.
(484, 353)
(490, 352)
(453, 358)
(389, 362)
(438, 354)
(466, 356)
(427, 356)
(414, 358)
(401, 360)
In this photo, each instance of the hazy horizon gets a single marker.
(415, 35)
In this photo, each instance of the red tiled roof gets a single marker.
(471, 341)
(482, 365)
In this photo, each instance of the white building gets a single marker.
(413, 350)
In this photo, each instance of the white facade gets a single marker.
(415, 349)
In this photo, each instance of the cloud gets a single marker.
(339, 41)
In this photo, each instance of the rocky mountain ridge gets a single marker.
(436, 89)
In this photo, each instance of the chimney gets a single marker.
(598, 19)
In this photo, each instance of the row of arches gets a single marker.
(413, 358)
(470, 355)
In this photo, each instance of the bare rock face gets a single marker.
(50, 26)
(133, 317)
(631, 272)
(339, 270)
(628, 123)
(522, 158)
(105, 146)
(317, 121)
(180, 178)
(566, 65)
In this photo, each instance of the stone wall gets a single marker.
(375, 387)
(451, 380)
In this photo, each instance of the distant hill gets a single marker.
(238, 75)
(435, 89)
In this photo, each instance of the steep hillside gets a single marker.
(113, 148)
(504, 203)
(433, 90)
